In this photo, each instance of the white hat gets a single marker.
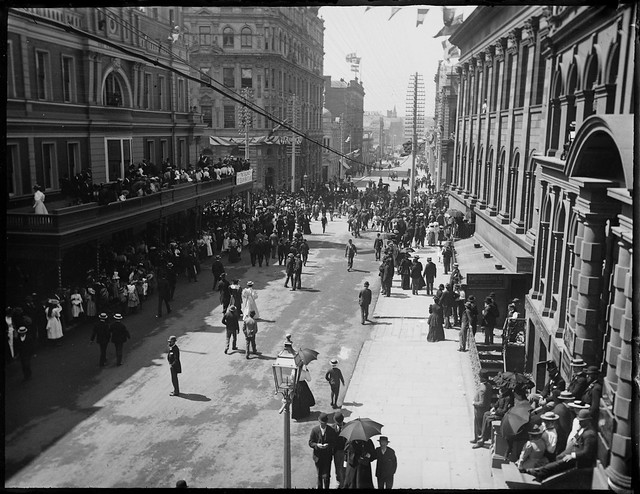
(117, 317)
(334, 362)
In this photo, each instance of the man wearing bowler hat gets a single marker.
(364, 299)
(386, 465)
(323, 441)
(592, 394)
(173, 357)
(430, 271)
(580, 452)
(102, 334)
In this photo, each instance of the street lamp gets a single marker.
(286, 374)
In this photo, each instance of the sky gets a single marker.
(391, 51)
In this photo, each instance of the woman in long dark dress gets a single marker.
(436, 331)
(405, 272)
(303, 399)
(359, 455)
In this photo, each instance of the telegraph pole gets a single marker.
(294, 122)
(416, 100)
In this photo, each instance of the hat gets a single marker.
(290, 255)
(468, 305)
(103, 316)
(338, 417)
(584, 415)
(218, 257)
(22, 330)
(515, 301)
(232, 308)
(592, 369)
(249, 283)
(428, 258)
(578, 362)
(551, 364)
(181, 484)
(91, 291)
(471, 298)
(171, 338)
(566, 396)
(549, 416)
(455, 264)
(536, 430)
(169, 264)
(115, 276)
(334, 362)
(383, 438)
(488, 300)
(579, 405)
(416, 257)
(492, 294)
(323, 418)
(54, 301)
(366, 283)
(117, 316)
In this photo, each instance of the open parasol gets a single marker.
(515, 419)
(362, 429)
(512, 379)
(308, 355)
(455, 213)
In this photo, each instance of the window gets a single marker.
(13, 170)
(181, 95)
(162, 105)
(204, 35)
(150, 151)
(228, 77)
(46, 173)
(42, 75)
(146, 96)
(164, 150)
(11, 83)
(73, 159)
(112, 91)
(68, 79)
(182, 152)
(259, 87)
(266, 38)
(246, 78)
(172, 17)
(245, 37)
(207, 117)
(205, 76)
(266, 78)
(229, 117)
(227, 37)
(118, 158)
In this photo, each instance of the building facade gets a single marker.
(94, 90)
(544, 161)
(442, 137)
(273, 57)
(346, 101)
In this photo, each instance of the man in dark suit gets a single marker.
(578, 384)
(216, 269)
(173, 357)
(230, 320)
(24, 344)
(102, 333)
(377, 246)
(225, 293)
(119, 334)
(581, 451)
(565, 418)
(364, 299)
(338, 453)
(386, 465)
(323, 441)
(164, 294)
(592, 394)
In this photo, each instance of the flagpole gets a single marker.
(415, 139)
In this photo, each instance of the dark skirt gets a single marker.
(406, 282)
(302, 401)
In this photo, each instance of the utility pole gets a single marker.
(416, 99)
(294, 122)
(341, 149)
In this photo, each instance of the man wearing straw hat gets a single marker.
(334, 376)
(578, 384)
(24, 347)
(102, 334)
(565, 417)
(550, 434)
(119, 334)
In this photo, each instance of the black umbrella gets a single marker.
(308, 355)
(361, 429)
(512, 379)
(454, 213)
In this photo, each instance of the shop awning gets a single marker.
(473, 259)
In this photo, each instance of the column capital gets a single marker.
(513, 41)
(499, 47)
(528, 34)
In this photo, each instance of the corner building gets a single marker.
(544, 159)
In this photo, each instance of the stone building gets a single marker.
(94, 90)
(443, 136)
(544, 161)
(274, 57)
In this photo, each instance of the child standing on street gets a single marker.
(334, 376)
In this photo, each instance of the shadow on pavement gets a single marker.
(262, 357)
(354, 270)
(194, 397)
(312, 290)
(351, 404)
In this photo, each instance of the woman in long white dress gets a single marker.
(207, 243)
(249, 296)
(54, 325)
(38, 201)
(76, 304)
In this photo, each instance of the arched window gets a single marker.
(245, 37)
(227, 37)
(113, 93)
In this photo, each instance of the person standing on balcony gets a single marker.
(38, 200)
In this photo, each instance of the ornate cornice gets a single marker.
(480, 62)
(513, 42)
(488, 56)
(528, 34)
(499, 50)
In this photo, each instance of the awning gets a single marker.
(473, 259)
(253, 141)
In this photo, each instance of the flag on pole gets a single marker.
(451, 22)
(449, 51)
(421, 15)
(394, 11)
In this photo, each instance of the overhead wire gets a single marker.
(225, 91)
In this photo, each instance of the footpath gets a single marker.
(421, 392)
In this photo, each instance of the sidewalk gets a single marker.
(422, 392)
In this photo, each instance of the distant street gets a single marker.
(75, 425)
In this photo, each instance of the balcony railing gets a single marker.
(73, 217)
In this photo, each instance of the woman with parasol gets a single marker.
(359, 452)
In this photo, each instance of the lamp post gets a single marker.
(286, 374)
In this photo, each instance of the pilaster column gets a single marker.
(619, 469)
(98, 80)
(584, 105)
(493, 206)
(552, 264)
(541, 256)
(562, 310)
(604, 98)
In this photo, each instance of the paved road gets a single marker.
(75, 425)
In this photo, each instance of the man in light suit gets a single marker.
(323, 441)
(386, 465)
(173, 358)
